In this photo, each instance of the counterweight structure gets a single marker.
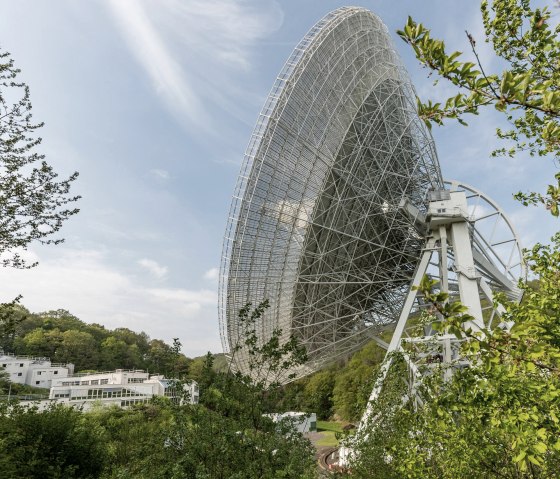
(316, 224)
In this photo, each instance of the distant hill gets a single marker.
(64, 338)
(339, 390)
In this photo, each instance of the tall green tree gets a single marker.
(34, 204)
(39, 343)
(318, 393)
(78, 347)
(354, 382)
(11, 317)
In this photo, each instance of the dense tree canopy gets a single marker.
(63, 338)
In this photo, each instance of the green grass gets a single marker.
(327, 439)
(329, 426)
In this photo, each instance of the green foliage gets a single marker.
(11, 316)
(504, 409)
(393, 425)
(33, 204)
(57, 443)
(318, 393)
(340, 391)
(527, 92)
(270, 362)
(355, 381)
(228, 435)
(62, 337)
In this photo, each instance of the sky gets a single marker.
(154, 102)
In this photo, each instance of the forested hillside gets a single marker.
(338, 391)
(64, 338)
(228, 434)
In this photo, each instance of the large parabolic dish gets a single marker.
(315, 225)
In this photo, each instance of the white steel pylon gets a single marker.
(472, 250)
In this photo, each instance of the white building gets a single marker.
(121, 388)
(301, 421)
(38, 372)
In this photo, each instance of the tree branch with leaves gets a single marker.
(34, 203)
(527, 92)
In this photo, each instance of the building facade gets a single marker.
(37, 372)
(119, 388)
(300, 421)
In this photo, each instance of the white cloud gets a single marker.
(176, 40)
(89, 286)
(153, 267)
(159, 174)
(151, 52)
(212, 274)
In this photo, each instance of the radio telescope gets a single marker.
(331, 219)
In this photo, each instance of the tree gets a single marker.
(39, 343)
(11, 317)
(78, 347)
(52, 444)
(114, 354)
(504, 409)
(527, 92)
(353, 384)
(33, 203)
(318, 393)
(165, 359)
(229, 435)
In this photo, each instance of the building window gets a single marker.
(39, 373)
(94, 382)
(20, 374)
(135, 380)
(104, 381)
(94, 393)
(37, 382)
(71, 383)
(55, 372)
(4, 365)
(21, 365)
(84, 383)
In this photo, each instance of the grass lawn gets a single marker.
(327, 439)
(329, 426)
(326, 431)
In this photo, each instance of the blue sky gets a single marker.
(153, 102)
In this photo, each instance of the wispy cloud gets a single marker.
(153, 55)
(189, 48)
(159, 174)
(212, 274)
(153, 267)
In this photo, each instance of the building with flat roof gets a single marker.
(37, 372)
(120, 388)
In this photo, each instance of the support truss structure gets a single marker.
(316, 224)
(472, 250)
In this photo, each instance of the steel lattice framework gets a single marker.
(315, 225)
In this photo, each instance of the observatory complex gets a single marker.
(341, 207)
